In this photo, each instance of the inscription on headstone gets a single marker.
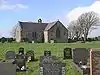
(44, 58)
(94, 62)
(10, 55)
(67, 53)
(51, 66)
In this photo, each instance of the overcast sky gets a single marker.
(12, 11)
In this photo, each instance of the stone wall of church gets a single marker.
(61, 36)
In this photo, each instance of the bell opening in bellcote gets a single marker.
(39, 20)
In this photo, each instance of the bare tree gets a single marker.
(87, 21)
(13, 32)
(70, 29)
(74, 29)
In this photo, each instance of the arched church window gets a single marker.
(58, 33)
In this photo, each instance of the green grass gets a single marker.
(56, 49)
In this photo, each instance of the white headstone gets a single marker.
(32, 41)
(41, 70)
(63, 71)
(51, 41)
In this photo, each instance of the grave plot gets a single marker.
(67, 53)
(7, 68)
(49, 65)
(20, 61)
(30, 56)
(80, 59)
(94, 62)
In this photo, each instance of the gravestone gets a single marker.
(80, 55)
(50, 66)
(21, 50)
(33, 42)
(52, 41)
(47, 53)
(20, 61)
(7, 68)
(67, 53)
(10, 55)
(30, 54)
(94, 62)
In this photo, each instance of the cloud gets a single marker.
(5, 5)
(76, 12)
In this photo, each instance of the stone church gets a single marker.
(41, 32)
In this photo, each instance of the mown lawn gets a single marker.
(56, 49)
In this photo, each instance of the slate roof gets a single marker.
(32, 25)
(36, 26)
(50, 25)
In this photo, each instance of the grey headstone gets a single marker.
(67, 53)
(47, 53)
(30, 54)
(51, 66)
(80, 55)
(7, 68)
(10, 55)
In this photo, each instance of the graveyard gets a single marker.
(39, 48)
